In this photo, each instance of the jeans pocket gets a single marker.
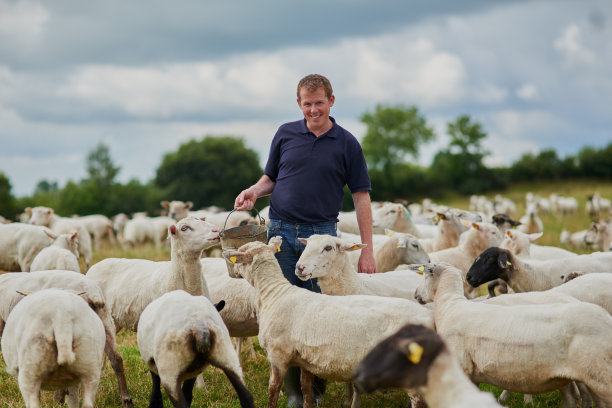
(273, 229)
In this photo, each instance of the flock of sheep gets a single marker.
(419, 324)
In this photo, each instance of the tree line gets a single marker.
(212, 170)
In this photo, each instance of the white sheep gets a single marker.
(561, 205)
(596, 204)
(396, 217)
(521, 245)
(325, 335)
(142, 229)
(20, 243)
(179, 335)
(451, 223)
(326, 258)
(599, 235)
(531, 222)
(504, 222)
(222, 219)
(566, 341)
(525, 275)
(99, 226)
(53, 340)
(574, 240)
(129, 285)
(11, 283)
(45, 216)
(417, 359)
(63, 254)
(473, 242)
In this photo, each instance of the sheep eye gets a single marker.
(415, 245)
(185, 228)
(328, 248)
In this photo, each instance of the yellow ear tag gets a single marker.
(389, 233)
(466, 224)
(416, 352)
(278, 248)
(421, 268)
(436, 219)
(233, 259)
(397, 245)
(508, 263)
(355, 247)
(476, 226)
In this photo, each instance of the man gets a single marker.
(310, 162)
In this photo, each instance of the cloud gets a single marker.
(22, 20)
(527, 92)
(570, 46)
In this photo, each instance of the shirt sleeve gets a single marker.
(358, 178)
(271, 169)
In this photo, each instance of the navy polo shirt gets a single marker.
(310, 172)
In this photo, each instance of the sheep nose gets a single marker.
(299, 269)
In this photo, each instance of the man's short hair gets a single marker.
(313, 82)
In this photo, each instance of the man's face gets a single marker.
(315, 106)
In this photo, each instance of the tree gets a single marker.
(8, 208)
(211, 171)
(394, 133)
(460, 167)
(100, 167)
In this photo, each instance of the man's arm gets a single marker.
(363, 208)
(246, 199)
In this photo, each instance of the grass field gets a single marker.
(219, 393)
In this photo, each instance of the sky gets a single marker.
(145, 77)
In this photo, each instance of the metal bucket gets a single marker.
(234, 238)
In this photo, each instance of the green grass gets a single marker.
(218, 392)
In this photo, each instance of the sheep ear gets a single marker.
(421, 268)
(165, 204)
(475, 226)
(219, 306)
(534, 236)
(23, 293)
(172, 230)
(412, 349)
(504, 261)
(237, 257)
(49, 211)
(51, 235)
(509, 234)
(351, 246)
(303, 240)
(74, 236)
(28, 210)
(189, 205)
(275, 243)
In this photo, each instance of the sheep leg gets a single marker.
(306, 379)
(30, 390)
(356, 402)
(245, 397)
(276, 382)
(188, 389)
(585, 395)
(348, 395)
(72, 397)
(156, 400)
(110, 349)
(567, 396)
(174, 392)
(504, 396)
(527, 399)
(90, 386)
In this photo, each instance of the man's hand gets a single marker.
(245, 200)
(367, 263)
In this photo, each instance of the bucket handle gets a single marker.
(261, 220)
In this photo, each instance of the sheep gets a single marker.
(397, 218)
(141, 229)
(63, 254)
(53, 340)
(4, 220)
(520, 244)
(20, 243)
(556, 344)
(326, 258)
(504, 205)
(474, 241)
(45, 216)
(99, 226)
(574, 240)
(525, 275)
(596, 204)
(563, 205)
(599, 235)
(240, 311)
(178, 336)
(390, 250)
(10, 283)
(416, 358)
(129, 285)
(531, 222)
(451, 224)
(504, 222)
(325, 335)
(222, 219)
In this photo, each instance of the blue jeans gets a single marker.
(291, 248)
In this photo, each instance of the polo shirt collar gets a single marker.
(330, 133)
